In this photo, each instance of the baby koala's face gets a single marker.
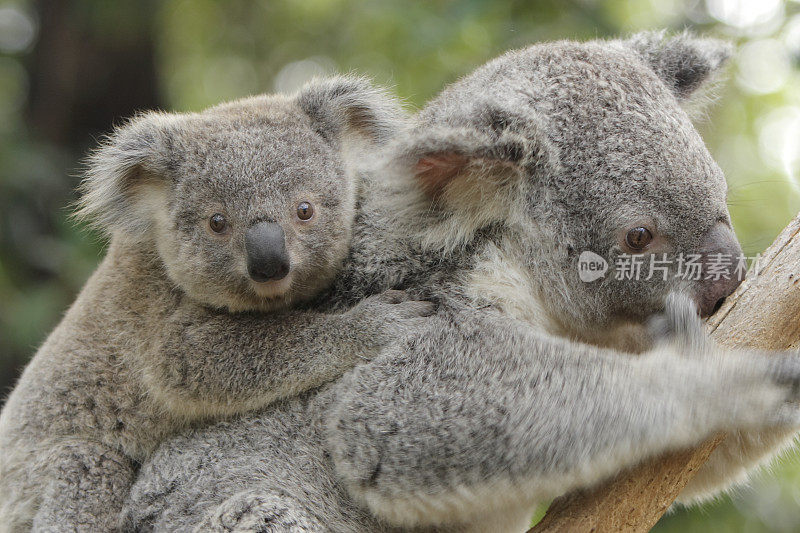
(249, 204)
(258, 208)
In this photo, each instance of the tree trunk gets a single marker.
(762, 313)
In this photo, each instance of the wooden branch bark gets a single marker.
(764, 313)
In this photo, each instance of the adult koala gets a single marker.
(505, 179)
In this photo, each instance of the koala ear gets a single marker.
(445, 160)
(491, 153)
(344, 106)
(126, 176)
(684, 62)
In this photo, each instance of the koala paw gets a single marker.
(680, 326)
(397, 305)
(392, 315)
(763, 390)
(261, 512)
(734, 389)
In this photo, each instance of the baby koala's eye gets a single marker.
(217, 223)
(305, 210)
(638, 238)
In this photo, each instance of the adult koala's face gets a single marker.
(586, 147)
(250, 204)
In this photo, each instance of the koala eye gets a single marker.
(638, 238)
(217, 223)
(305, 211)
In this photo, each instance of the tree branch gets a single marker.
(762, 313)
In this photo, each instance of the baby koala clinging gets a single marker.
(215, 218)
(249, 204)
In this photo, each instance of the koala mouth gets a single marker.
(272, 289)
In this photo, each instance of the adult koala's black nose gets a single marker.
(267, 259)
(721, 272)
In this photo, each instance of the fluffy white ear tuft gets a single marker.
(347, 105)
(453, 165)
(125, 174)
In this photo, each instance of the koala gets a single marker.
(219, 223)
(524, 385)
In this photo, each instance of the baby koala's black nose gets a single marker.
(267, 259)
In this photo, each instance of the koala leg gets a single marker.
(89, 481)
(262, 511)
(734, 460)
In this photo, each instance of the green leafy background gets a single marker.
(69, 70)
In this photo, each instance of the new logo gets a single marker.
(591, 266)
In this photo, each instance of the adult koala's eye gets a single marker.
(305, 211)
(638, 238)
(217, 223)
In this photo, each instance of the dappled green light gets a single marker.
(295, 74)
(17, 29)
(763, 67)
(779, 140)
(748, 16)
(13, 90)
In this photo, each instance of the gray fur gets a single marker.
(169, 329)
(504, 399)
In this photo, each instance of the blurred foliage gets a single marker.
(69, 70)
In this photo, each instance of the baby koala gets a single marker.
(219, 221)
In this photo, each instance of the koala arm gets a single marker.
(209, 363)
(86, 486)
(481, 412)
